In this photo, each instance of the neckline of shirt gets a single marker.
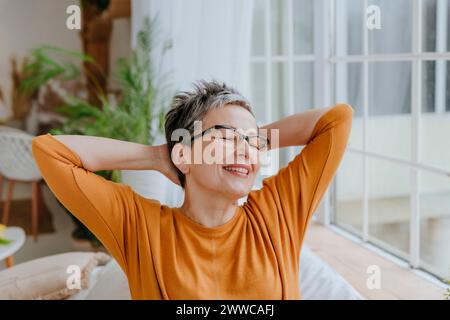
(212, 231)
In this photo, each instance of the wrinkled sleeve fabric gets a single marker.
(288, 199)
(106, 208)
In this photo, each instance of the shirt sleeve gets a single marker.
(288, 199)
(108, 209)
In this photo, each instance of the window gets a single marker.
(393, 186)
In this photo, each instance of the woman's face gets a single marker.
(226, 166)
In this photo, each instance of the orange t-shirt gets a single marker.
(166, 255)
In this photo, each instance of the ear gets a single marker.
(181, 157)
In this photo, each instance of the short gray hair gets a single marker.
(190, 106)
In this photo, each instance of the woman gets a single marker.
(209, 248)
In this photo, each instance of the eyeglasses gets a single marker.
(230, 134)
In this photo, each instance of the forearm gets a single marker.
(97, 153)
(296, 129)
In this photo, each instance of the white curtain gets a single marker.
(211, 39)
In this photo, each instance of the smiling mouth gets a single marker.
(237, 170)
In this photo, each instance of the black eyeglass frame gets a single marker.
(241, 135)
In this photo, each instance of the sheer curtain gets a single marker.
(210, 39)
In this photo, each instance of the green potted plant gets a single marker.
(136, 116)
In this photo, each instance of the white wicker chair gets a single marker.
(17, 165)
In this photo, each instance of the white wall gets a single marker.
(25, 24)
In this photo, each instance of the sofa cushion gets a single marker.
(50, 277)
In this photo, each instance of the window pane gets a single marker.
(279, 90)
(258, 87)
(429, 25)
(448, 26)
(349, 193)
(435, 126)
(435, 223)
(355, 88)
(394, 36)
(258, 32)
(349, 89)
(303, 18)
(280, 96)
(447, 91)
(442, 24)
(428, 85)
(389, 206)
(349, 27)
(303, 86)
(389, 125)
(279, 28)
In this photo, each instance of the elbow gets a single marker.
(344, 110)
(36, 150)
(38, 155)
(341, 112)
(35, 146)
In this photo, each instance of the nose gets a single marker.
(242, 149)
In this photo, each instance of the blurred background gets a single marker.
(389, 59)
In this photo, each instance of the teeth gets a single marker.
(241, 170)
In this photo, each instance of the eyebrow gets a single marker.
(233, 127)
